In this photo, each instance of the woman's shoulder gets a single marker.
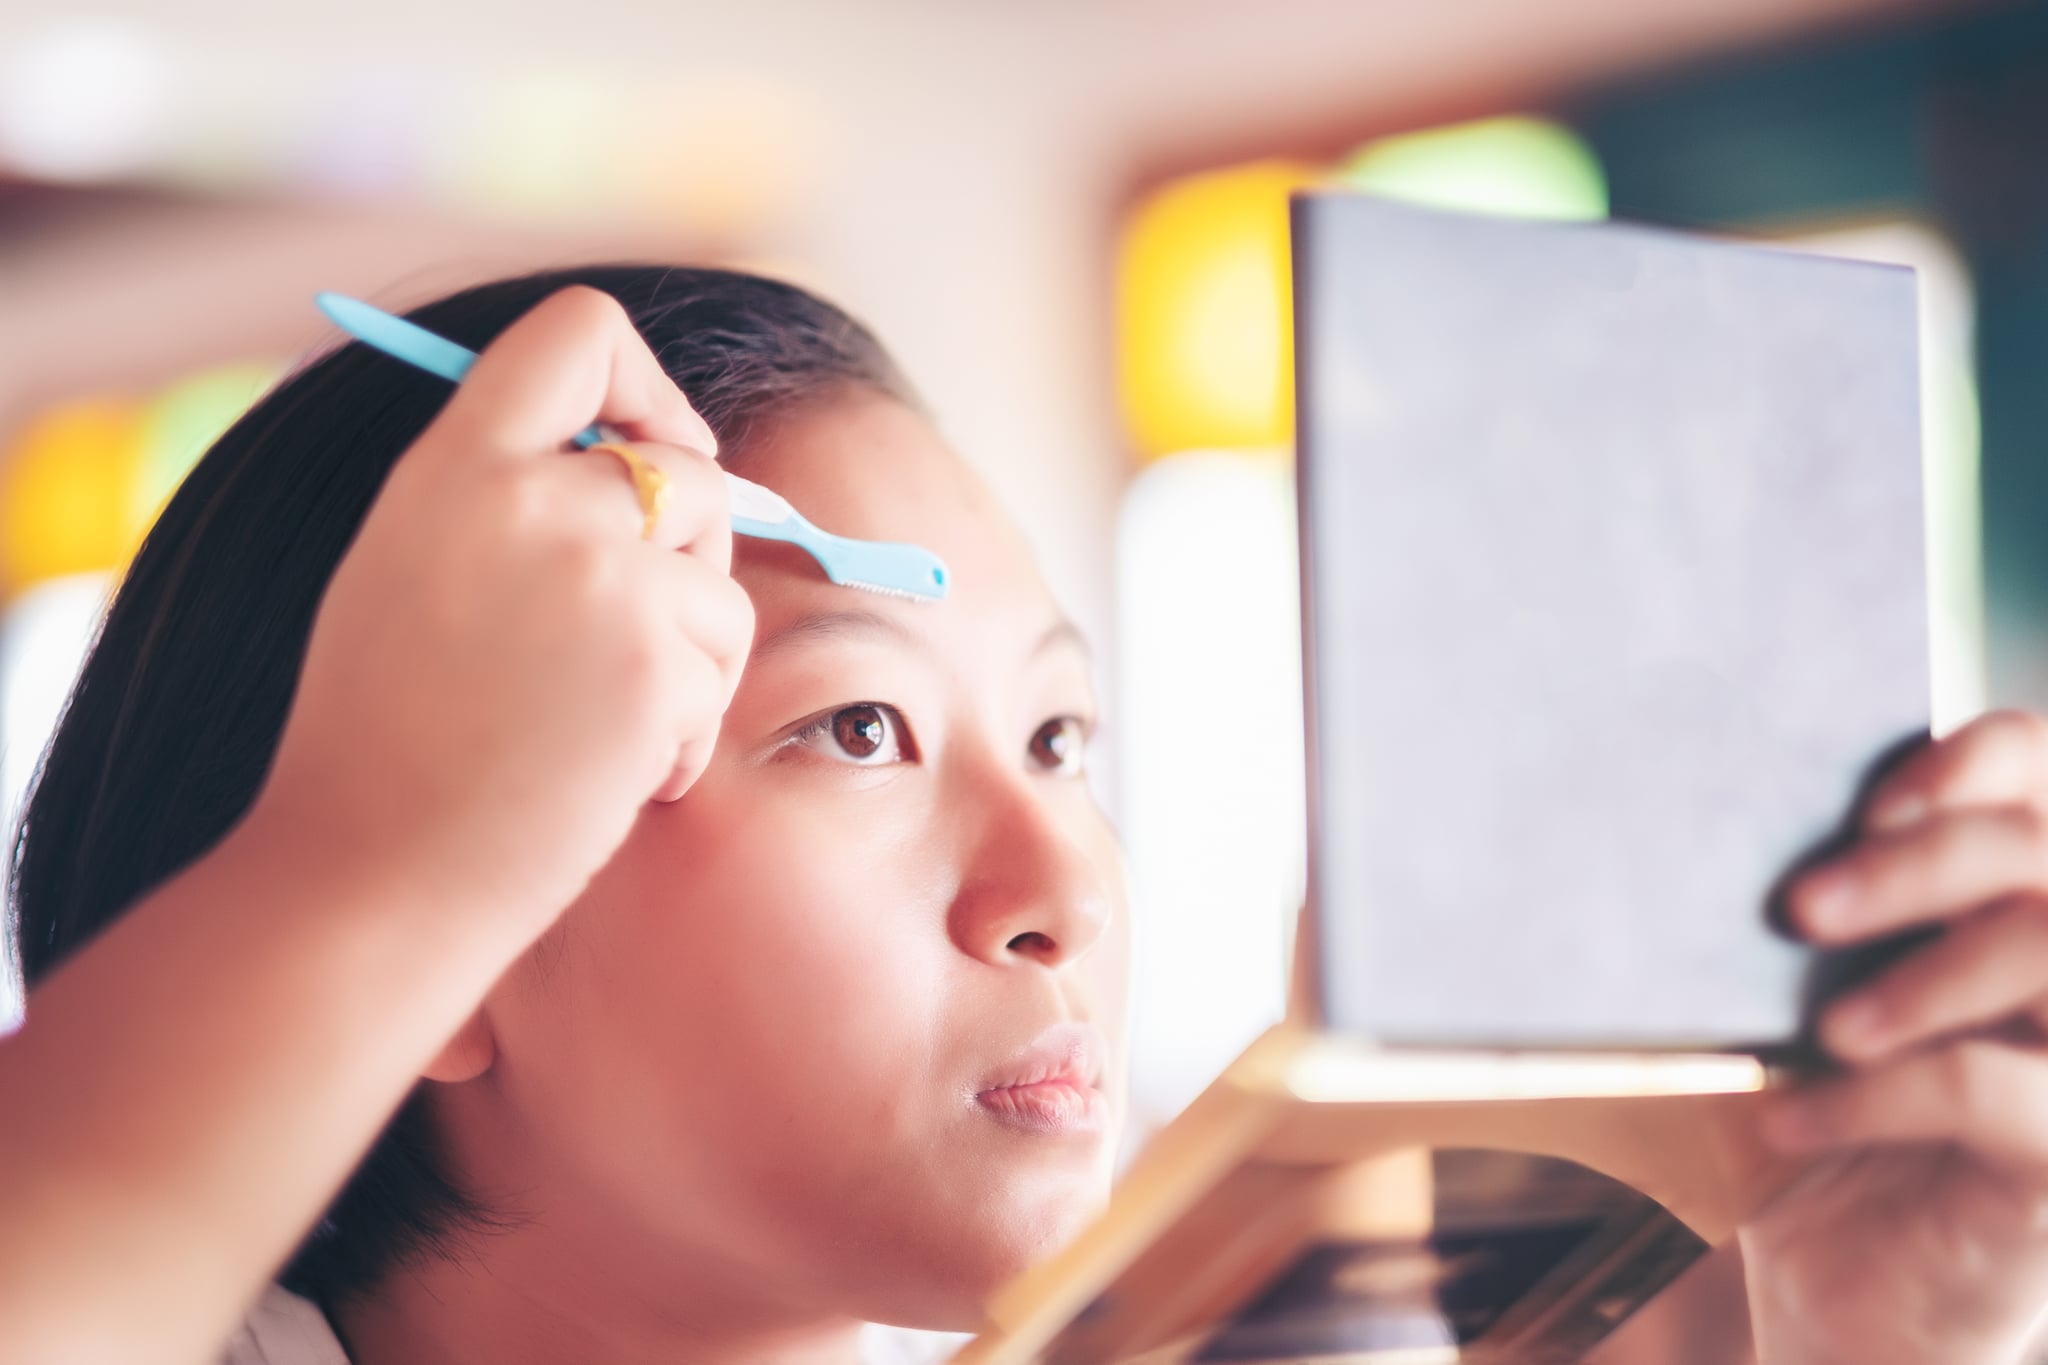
(284, 1329)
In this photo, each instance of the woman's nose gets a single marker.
(1032, 890)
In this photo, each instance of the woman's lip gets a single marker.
(1052, 1085)
(1067, 1051)
(1057, 1107)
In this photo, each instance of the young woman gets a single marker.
(723, 1009)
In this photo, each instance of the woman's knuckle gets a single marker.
(701, 463)
(588, 570)
(646, 671)
(524, 502)
(587, 304)
(699, 478)
(529, 517)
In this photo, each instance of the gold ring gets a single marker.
(650, 485)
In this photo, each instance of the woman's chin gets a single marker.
(985, 1252)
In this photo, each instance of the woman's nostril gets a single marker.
(1033, 943)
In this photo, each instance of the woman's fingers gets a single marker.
(1987, 1096)
(689, 559)
(573, 359)
(1982, 971)
(696, 510)
(685, 567)
(1997, 759)
(716, 618)
(501, 659)
(714, 612)
(1934, 870)
(701, 696)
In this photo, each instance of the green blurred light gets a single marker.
(1515, 166)
(183, 421)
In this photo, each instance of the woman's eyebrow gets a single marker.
(835, 625)
(853, 623)
(1063, 632)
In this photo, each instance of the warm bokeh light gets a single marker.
(182, 422)
(1515, 166)
(84, 480)
(66, 502)
(1204, 317)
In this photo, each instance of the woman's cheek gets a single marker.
(809, 923)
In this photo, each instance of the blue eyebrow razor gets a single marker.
(908, 571)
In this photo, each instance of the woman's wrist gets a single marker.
(399, 875)
(1791, 1324)
(278, 996)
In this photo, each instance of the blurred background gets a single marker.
(1068, 220)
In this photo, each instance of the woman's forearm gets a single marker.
(507, 664)
(191, 1088)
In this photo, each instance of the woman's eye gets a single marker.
(1060, 745)
(869, 734)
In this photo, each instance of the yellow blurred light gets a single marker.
(66, 501)
(1204, 315)
(1514, 166)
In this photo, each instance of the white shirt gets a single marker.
(284, 1329)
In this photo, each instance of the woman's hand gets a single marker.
(503, 672)
(1921, 1233)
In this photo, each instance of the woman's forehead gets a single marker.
(873, 469)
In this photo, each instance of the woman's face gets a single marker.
(844, 1025)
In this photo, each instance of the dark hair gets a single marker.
(177, 714)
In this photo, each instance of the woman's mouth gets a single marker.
(1052, 1087)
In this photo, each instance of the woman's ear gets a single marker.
(468, 1054)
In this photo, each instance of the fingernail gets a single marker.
(1828, 901)
(1791, 1125)
(1897, 812)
